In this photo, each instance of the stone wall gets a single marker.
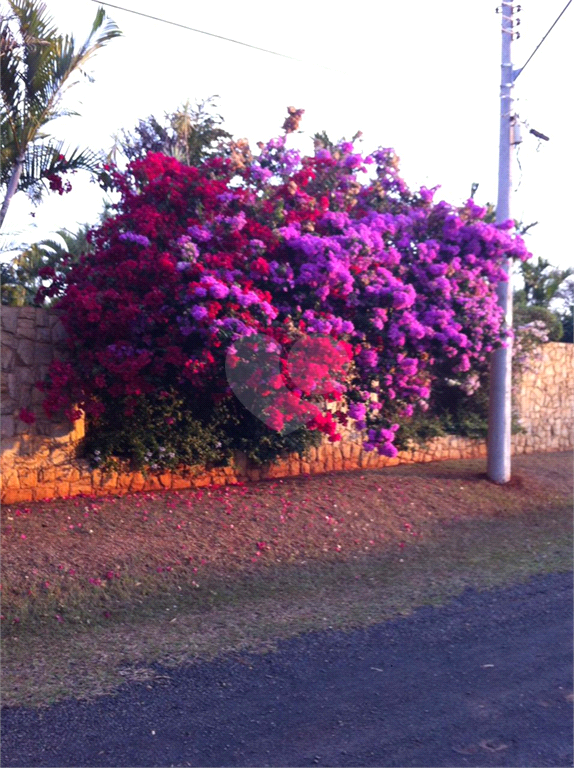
(39, 455)
(544, 399)
(39, 460)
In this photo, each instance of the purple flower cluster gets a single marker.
(300, 246)
(409, 282)
(133, 237)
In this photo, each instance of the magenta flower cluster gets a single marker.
(199, 258)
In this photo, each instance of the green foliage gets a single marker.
(567, 320)
(161, 433)
(23, 272)
(566, 294)
(525, 314)
(166, 431)
(542, 282)
(37, 66)
(451, 412)
(13, 292)
(245, 432)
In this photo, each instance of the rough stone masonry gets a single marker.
(38, 461)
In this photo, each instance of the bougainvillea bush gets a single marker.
(333, 246)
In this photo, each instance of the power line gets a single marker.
(521, 70)
(212, 34)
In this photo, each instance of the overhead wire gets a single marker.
(521, 70)
(212, 34)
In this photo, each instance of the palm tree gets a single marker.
(542, 282)
(37, 65)
(190, 134)
(22, 278)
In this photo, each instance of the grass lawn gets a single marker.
(95, 590)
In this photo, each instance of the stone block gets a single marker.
(58, 333)
(24, 352)
(124, 481)
(47, 475)
(16, 495)
(10, 479)
(180, 482)
(202, 481)
(165, 479)
(68, 474)
(9, 340)
(44, 492)
(43, 354)
(61, 489)
(59, 457)
(294, 466)
(356, 451)
(151, 483)
(28, 313)
(25, 376)
(137, 482)
(8, 358)
(28, 479)
(26, 329)
(9, 319)
(78, 429)
(8, 426)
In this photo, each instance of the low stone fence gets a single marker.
(38, 460)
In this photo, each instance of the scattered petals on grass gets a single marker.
(337, 517)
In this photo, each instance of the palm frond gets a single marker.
(37, 65)
(45, 159)
(70, 59)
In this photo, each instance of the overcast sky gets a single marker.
(419, 76)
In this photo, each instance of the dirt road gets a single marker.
(483, 681)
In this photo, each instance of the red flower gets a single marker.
(26, 416)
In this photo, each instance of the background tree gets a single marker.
(190, 134)
(566, 294)
(13, 293)
(57, 254)
(37, 66)
(543, 284)
(542, 287)
(22, 276)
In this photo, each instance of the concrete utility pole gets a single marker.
(500, 405)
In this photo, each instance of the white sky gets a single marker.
(419, 76)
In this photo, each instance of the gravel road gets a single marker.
(483, 681)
